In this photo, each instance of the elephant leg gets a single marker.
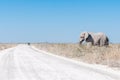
(97, 43)
(92, 43)
(107, 42)
(102, 42)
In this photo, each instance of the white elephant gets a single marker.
(99, 39)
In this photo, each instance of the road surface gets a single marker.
(27, 63)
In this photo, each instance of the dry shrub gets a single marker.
(58, 48)
(91, 54)
(6, 45)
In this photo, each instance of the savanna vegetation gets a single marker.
(91, 54)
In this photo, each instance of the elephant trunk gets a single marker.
(81, 42)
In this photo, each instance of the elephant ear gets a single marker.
(86, 35)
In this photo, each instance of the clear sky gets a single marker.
(57, 20)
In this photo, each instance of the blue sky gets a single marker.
(58, 21)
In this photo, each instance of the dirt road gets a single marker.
(27, 63)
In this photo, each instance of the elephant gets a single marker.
(96, 39)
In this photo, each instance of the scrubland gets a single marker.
(7, 45)
(91, 54)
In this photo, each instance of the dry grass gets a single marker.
(6, 45)
(91, 54)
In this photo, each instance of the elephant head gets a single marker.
(85, 36)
